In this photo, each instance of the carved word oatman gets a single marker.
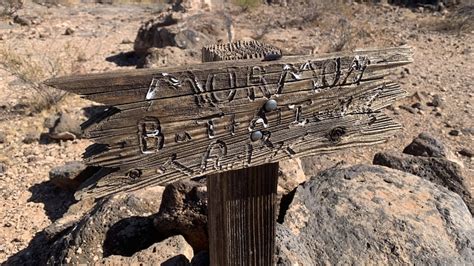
(181, 122)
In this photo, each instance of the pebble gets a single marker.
(417, 105)
(3, 168)
(22, 21)
(126, 41)
(69, 31)
(30, 138)
(466, 152)
(454, 132)
(2, 137)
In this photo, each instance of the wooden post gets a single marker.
(241, 218)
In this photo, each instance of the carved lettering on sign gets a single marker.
(299, 120)
(182, 137)
(174, 164)
(210, 124)
(159, 80)
(213, 155)
(227, 95)
(232, 125)
(150, 136)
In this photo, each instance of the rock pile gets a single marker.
(174, 37)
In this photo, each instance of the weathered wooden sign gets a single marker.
(182, 122)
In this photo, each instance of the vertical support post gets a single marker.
(241, 216)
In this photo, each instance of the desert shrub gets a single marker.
(9, 7)
(31, 73)
(246, 4)
(461, 20)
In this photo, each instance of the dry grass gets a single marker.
(9, 7)
(247, 4)
(459, 21)
(34, 67)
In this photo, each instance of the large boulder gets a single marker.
(437, 170)
(371, 214)
(184, 211)
(169, 252)
(117, 225)
(180, 30)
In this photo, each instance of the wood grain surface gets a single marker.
(182, 122)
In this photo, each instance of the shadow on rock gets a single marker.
(56, 201)
(124, 59)
(33, 254)
(130, 235)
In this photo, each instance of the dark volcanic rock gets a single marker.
(437, 170)
(176, 29)
(360, 214)
(2, 137)
(184, 212)
(169, 252)
(466, 152)
(118, 225)
(71, 175)
(426, 145)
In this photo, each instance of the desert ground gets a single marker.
(50, 40)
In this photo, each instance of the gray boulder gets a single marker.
(437, 170)
(370, 214)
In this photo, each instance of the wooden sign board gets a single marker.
(182, 122)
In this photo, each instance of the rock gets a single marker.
(126, 41)
(71, 175)
(417, 105)
(118, 225)
(370, 214)
(436, 102)
(69, 31)
(408, 109)
(201, 259)
(3, 168)
(155, 34)
(426, 145)
(437, 170)
(454, 132)
(30, 137)
(171, 30)
(468, 131)
(171, 251)
(168, 56)
(3, 137)
(290, 175)
(466, 152)
(184, 212)
(66, 126)
(74, 213)
(21, 21)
